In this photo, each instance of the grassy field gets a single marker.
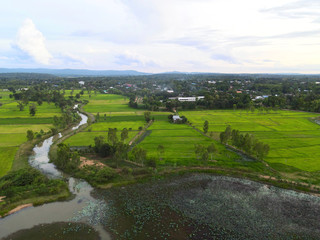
(118, 115)
(14, 125)
(293, 138)
(178, 140)
(4, 97)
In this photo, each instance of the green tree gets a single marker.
(147, 116)
(20, 106)
(228, 132)
(223, 138)
(124, 134)
(30, 135)
(67, 160)
(112, 136)
(204, 156)
(32, 109)
(198, 150)
(211, 149)
(139, 155)
(121, 152)
(205, 126)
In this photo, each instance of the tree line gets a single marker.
(245, 142)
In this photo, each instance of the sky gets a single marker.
(226, 36)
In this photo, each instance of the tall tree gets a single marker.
(124, 134)
(112, 136)
(30, 135)
(212, 149)
(32, 109)
(205, 126)
(147, 116)
(20, 105)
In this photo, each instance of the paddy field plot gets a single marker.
(179, 142)
(293, 137)
(14, 125)
(114, 113)
(178, 139)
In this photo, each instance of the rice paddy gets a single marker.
(178, 140)
(293, 137)
(14, 125)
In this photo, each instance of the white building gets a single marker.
(187, 99)
(176, 118)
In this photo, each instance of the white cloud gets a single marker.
(32, 42)
(166, 35)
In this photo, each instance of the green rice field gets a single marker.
(114, 113)
(14, 125)
(178, 140)
(293, 137)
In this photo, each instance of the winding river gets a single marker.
(194, 206)
(82, 208)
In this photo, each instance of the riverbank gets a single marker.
(25, 185)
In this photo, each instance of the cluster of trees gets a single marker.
(139, 155)
(68, 116)
(246, 142)
(27, 183)
(67, 160)
(203, 153)
(111, 147)
(182, 121)
(32, 135)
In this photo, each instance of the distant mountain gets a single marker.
(74, 72)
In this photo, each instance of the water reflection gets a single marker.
(83, 208)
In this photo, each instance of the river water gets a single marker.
(196, 206)
(82, 208)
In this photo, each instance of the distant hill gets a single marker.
(73, 72)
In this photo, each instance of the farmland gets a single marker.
(14, 125)
(114, 113)
(292, 136)
(178, 140)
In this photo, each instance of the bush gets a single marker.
(151, 162)
(140, 171)
(105, 174)
(127, 170)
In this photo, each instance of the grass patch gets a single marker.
(292, 137)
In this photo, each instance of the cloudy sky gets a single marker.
(162, 35)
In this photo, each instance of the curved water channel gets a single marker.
(82, 208)
(248, 209)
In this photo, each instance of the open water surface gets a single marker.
(194, 206)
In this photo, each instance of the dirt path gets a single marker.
(140, 133)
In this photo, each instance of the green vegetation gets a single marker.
(18, 187)
(163, 144)
(56, 231)
(14, 125)
(292, 136)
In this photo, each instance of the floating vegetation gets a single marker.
(202, 206)
(56, 231)
(95, 212)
